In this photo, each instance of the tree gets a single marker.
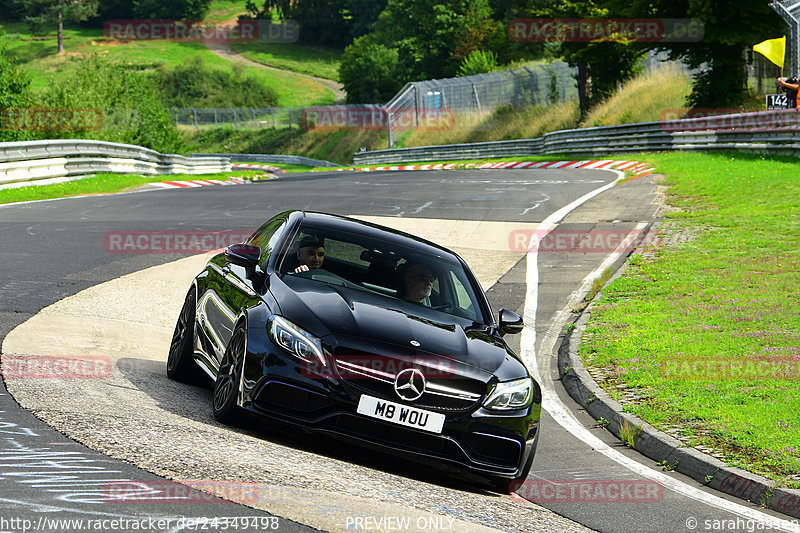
(430, 36)
(322, 22)
(369, 71)
(363, 14)
(602, 65)
(172, 10)
(43, 13)
(730, 28)
(14, 92)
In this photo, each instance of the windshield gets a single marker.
(436, 281)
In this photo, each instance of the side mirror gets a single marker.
(245, 255)
(510, 322)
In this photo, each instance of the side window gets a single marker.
(464, 307)
(266, 237)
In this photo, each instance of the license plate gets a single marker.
(398, 413)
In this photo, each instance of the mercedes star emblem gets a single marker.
(409, 384)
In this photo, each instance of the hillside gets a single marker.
(634, 102)
(37, 56)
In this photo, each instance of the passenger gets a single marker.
(417, 282)
(310, 253)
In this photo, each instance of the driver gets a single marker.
(417, 283)
(310, 253)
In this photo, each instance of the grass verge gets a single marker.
(305, 59)
(99, 184)
(706, 332)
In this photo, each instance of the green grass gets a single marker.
(306, 59)
(730, 294)
(100, 184)
(38, 58)
(224, 10)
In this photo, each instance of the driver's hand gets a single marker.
(301, 268)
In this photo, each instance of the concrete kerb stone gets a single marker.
(657, 445)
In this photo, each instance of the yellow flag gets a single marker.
(772, 49)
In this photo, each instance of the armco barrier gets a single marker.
(32, 160)
(775, 132)
(273, 158)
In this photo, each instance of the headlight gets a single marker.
(295, 340)
(510, 395)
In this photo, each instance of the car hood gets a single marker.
(372, 323)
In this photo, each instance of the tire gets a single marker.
(226, 386)
(180, 360)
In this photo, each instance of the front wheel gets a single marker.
(226, 386)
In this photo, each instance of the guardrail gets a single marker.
(32, 160)
(776, 132)
(273, 158)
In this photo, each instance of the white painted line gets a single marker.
(561, 413)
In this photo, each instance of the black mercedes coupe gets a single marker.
(359, 331)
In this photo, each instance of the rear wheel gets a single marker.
(180, 361)
(226, 386)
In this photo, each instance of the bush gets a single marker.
(369, 71)
(14, 92)
(194, 84)
(132, 110)
(478, 62)
(174, 9)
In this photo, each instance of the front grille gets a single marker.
(375, 375)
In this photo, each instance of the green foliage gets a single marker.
(325, 22)
(478, 62)
(14, 92)
(195, 84)
(132, 109)
(369, 71)
(730, 27)
(602, 66)
(362, 14)
(41, 15)
(431, 38)
(174, 9)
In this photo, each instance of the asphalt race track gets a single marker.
(133, 428)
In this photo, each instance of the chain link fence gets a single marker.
(540, 84)
(237, 118)
(480, 93)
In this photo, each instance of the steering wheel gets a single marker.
(447, 307)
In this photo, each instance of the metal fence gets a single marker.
(540, 84)
(54, 158)
(237, 118)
